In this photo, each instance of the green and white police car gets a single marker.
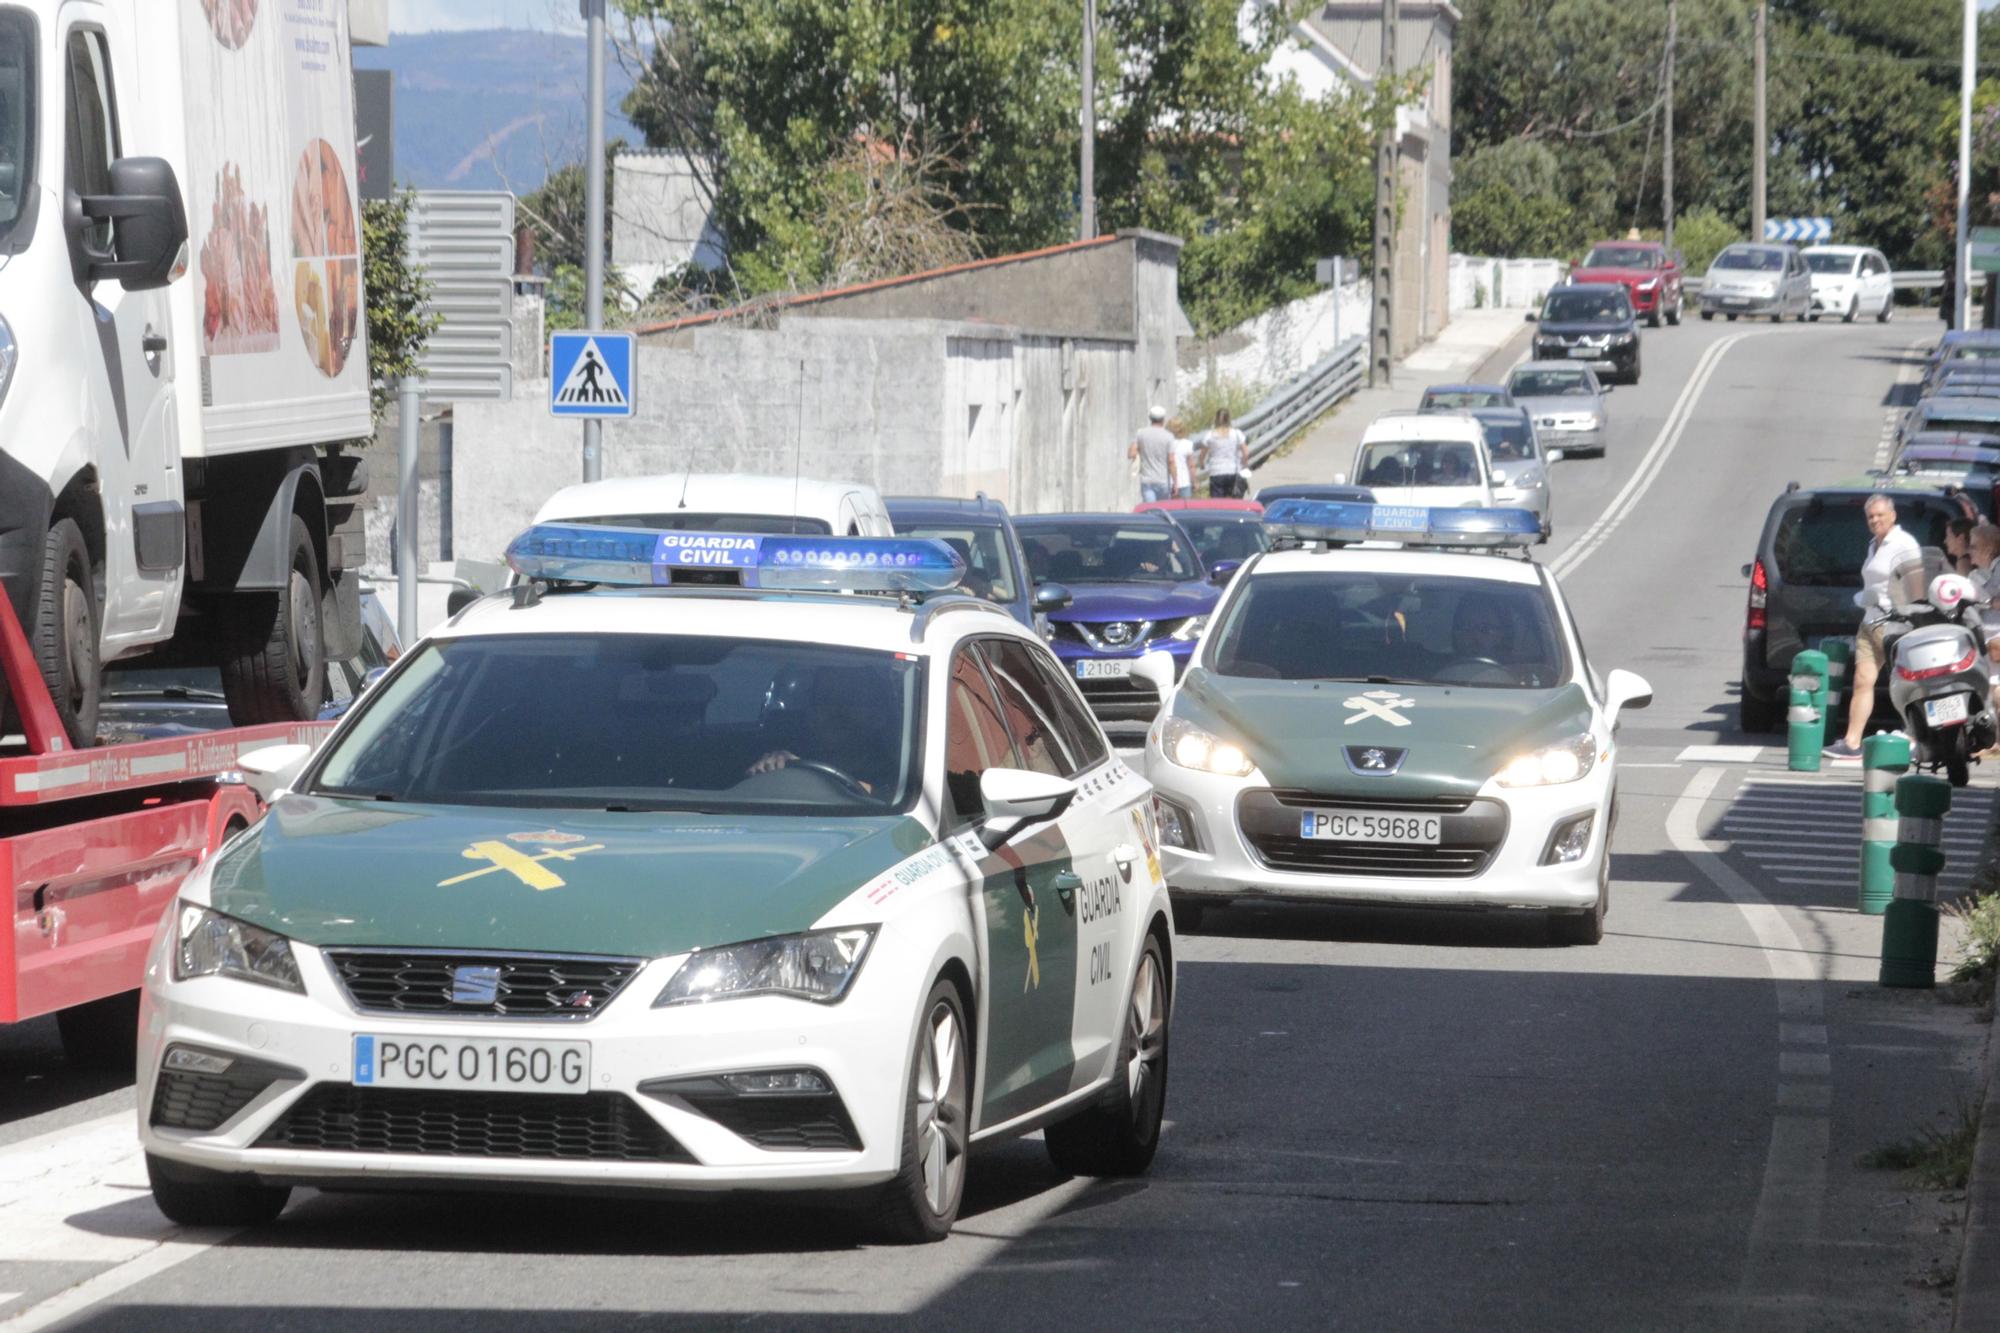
(1401, 714)
(733, 879)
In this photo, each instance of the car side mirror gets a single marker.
(269, 770)
(1625, 690)
(1554, 455)
(1156, 669)
(1530, 317)
(1222, 571)
(1052, 597)
(149, 228)
(1015, 799)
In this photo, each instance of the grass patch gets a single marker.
(1978, 920)
(1938, 1159)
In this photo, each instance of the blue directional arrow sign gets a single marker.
(1812, 231)
(592, 375)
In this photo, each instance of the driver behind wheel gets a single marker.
(1481, 630)
(840, 714)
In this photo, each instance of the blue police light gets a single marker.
(648, 558)
(1410, 525)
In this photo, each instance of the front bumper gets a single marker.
(1571, 439)
(859, 1046)
(1616, 360)
(1226, 865)
(1736, 304)
(1121, 698)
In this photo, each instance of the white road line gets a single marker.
(1653, 462)
(156, 1260)
(1721, 754)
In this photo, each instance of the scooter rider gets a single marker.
(1893, 555)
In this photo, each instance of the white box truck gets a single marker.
(182, 342)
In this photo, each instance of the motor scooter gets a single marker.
(1940, 683)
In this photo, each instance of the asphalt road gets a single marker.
(1378, 1118)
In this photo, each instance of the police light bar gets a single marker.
(649, 558)
(1410, 525)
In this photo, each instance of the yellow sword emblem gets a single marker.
(528, 869)
(1034, 977)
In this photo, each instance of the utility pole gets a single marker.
(1960, 241)
(593, 220)
(1760, 139)
(1087, 220)
(1667, 137)
(1381, 324)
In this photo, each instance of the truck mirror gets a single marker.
(149, 225)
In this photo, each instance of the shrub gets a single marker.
(1701, 235)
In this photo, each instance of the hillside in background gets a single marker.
(488, 110)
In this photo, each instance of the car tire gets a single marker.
(1888, 310)
(68, 618)
(1778, 318)
(274, 669)
(102, 1035)
(1853, 309)
(1118, 1134)
(1674, 316)
(921, 1203)
(1585, 927)
(1708, 314)
(1653, 318)
(1731, 318)
(194, 1196)
(1755, 716)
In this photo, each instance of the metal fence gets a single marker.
(1906, 280)
(1297, 403)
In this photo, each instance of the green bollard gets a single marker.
(1839, 671)
(1885, 756)
(1805, 734)
(1809, 672)
(1910, 928)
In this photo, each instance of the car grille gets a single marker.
(187, 1099)
(1473, 830)
(388, 981)
(591, 1127)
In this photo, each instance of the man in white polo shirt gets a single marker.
(1894, 560)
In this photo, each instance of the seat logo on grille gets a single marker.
(475, 984)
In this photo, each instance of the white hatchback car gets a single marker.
(724, 502)
(1435, 459)
(755, 886)
(1850, 280)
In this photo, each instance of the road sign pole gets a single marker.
(1960, 239)
(409, 564)
(593, 221)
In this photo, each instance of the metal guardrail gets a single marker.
(1905, 280)
(1296, 404)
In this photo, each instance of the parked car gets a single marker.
(1590, 324)
(1972, 351)
(1978, 374)
(1313, 490)
(1973, 469)
(1757, 279)
(1946, 439)
(1136, 585)
(1649, 272)
(1959, 416)
(1520, 466)
(1434, 459)
(723, 502)
(1566, 403)
(1805, 574)
(1225, 533)
(1850, 280)
(1463, 397)
(982, 532)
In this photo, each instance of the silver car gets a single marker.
(1566, 403)
(1520, 465)
(1748, 279)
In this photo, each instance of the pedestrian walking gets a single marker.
(1894, 562)
(1182, 460)
(1224, 455)
(1153, 446)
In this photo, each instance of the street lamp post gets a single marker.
(1960, 239)
(593, 219)
(1087, 169)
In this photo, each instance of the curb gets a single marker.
(1976, 1304)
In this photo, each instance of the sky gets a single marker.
(444, 15)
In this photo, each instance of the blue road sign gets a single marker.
(592, 375)
(1813, 231)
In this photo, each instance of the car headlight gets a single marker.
(1190, 630)
(1649, 284)
(1189, 746)
(1552, 765)
(10, 356)
(209, 944)
(819, 965)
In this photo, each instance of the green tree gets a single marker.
(1700, 235)
(398, 327)
(1498, 221)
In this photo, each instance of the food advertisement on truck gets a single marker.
(275, 244)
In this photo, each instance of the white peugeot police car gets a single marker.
(679, 866)
(1408, 721)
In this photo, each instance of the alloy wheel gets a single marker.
(1146, 1027)
(941, 1108)
(80, 653)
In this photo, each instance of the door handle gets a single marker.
(153, 343)
(1125, 854)
(1066, 883)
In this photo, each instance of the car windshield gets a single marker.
(17, 123)
(1839, 264)
(638, 722)
(1549, 384)
(681, 520)
(1947, 419)
(1822, 544)
(1391, 628)
(1509, 441)
(989, 566)
(1622, 256)
(1574, 304)
(1097, 552)
(1419, 463)
(1224, 537)
(1458, 399)
(1761, 261)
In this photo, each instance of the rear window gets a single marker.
(1822, 544)
(687, 521)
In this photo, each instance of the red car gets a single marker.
(1649, 271)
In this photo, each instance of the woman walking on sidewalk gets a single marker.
(1224, 455)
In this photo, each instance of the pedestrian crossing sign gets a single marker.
(592, 374)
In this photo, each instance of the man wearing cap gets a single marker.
(1153, 446)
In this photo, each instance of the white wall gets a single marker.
(1510, 284)
(1266, 351)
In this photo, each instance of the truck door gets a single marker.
(130, 378)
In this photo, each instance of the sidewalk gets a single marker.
(1978, 1289)
(1472, 339)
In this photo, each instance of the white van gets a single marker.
(1438, 459)
(182, 343)
(724, 502)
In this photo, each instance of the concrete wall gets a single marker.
(1266, 351)
(661, 218)
(1514, 284)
